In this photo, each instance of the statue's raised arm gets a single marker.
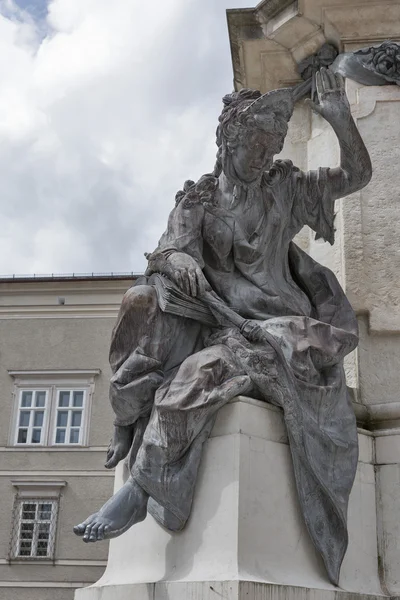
(355, 168)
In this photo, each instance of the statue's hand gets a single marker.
(186, 273)
(333, 103)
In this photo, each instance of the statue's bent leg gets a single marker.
(146, 344)
(168, 459)
(182, 419)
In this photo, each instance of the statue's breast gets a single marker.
(218, 231)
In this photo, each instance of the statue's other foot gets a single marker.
(119, 445)
(127, 507)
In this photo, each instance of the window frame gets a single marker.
(53, 382)
(83, 426)
(33, 491)
(54, 502)
(19, 408)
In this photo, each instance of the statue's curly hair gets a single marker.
(229, 127)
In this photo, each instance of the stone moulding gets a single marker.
(299, 29)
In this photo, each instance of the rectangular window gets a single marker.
(32, 409)
(69, 417)
(35, 528)
(52, 415)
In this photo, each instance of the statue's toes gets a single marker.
(107, 532)
(100, 532)
(93, 532)
(80, 529)
(118, 453)
(112, 461)
(88, 531)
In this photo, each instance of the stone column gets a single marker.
(267, 43)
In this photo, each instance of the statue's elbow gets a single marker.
(360, 179)
(367, 172)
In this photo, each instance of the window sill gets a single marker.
(36, 560)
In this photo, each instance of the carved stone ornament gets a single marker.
(378, 65)
(230, 305)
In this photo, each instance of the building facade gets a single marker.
(56, 420)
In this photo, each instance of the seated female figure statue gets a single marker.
(229, 241)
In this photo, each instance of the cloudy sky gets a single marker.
(106, 107)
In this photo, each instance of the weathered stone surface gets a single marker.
(246, 523)
(210, 590)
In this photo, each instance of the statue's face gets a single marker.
(255, 150)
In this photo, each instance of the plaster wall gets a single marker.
(37, 593)
(39, 334)
(45, 344)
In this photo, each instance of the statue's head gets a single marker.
(252, 129)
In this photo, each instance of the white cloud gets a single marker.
(102, 118)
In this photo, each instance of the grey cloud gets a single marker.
(95, 175)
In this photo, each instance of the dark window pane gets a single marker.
(36, 435)
(28, 514)
(44, 515)
(63, 399)
(76, 418)
(40, 399)
(43, 540)
(74, 436)
(60, 436)
(27, 531)
(25, 550)
(62, 418)
(24, 417)
(38, 418)
(26, 399)
(42, 549)
(22, 436)
(25, 544)
(78, 399)
(44, 531)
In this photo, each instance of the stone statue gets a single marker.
(229, 305)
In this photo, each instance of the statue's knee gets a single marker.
(140, 297)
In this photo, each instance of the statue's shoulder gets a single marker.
(197, 193)
(282, 170)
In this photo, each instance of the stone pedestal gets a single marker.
(246, 537)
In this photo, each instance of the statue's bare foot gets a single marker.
(127, 507)
(119, 446)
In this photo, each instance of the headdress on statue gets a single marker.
(253, 108)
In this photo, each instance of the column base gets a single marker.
(215, 590)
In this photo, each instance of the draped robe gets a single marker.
(243, 243)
